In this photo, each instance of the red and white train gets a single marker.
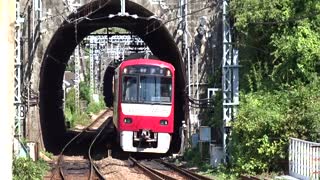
(144, 105)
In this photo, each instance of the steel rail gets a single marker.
(247, 177)
(60, 159)
(92, 164)
(164, 176)
(187, 173)
(99, 116)
(150, 172)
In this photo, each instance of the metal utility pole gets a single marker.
(20, 114)
(97, 61)
(36, 17)
(230, 77)
(123, 7)
(77, 77)
(92, 51)
(72, 7)
(184, 12)
(185, 49)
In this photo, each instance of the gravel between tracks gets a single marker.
(119, 169)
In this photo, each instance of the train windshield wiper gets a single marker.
(156, 103)
(160, 103)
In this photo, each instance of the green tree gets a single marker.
(279, 44)
(280, 35)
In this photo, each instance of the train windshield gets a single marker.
(130, 89)
(147, 89)
(155, 89)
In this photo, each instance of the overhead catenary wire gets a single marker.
(153, 17)
(173, 19)
(89, 14)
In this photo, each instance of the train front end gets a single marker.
(145, 105)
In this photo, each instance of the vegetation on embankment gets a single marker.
(26, 168)
(266, 121)
(87, 107)
(81, 116)
(279, 46)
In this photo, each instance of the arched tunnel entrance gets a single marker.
(87, 19)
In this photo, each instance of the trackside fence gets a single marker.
(304, 159)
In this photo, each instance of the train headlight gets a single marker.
(127, 120)
(143, 70)
(125, 70)
(168, 73)
(164, 122)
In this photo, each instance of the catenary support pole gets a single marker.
(230, 77)
(77, 77)
(7, 22)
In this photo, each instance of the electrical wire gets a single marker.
(86, 17)
(25, 8)
(56, 60)
(178, 8)
(173, 19)
(62, 15)
(153, 17)
(89, 14)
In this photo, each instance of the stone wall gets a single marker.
(36, 38)
(36, 34)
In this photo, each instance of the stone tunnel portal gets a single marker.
(87, 19)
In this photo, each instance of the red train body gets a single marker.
(144, 105)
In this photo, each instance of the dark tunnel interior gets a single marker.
(87, 19)
(107, 86)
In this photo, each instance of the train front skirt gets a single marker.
(130, 143)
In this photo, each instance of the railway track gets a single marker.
(86, 168)
(172, 173)
(99, 120)
(83, 168)
(183, 171)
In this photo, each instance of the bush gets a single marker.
(75, 117)
(193, 156)
(95, 107)
(266, 121)
(80, 118)
(84, 91)
(26, 169)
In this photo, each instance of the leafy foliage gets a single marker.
(267, 120)
(26, 168)
(280, 35)
(279, 44)
(84, 91)
(74, 116)
(70, 101)
(95, 107)
(193, 157)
